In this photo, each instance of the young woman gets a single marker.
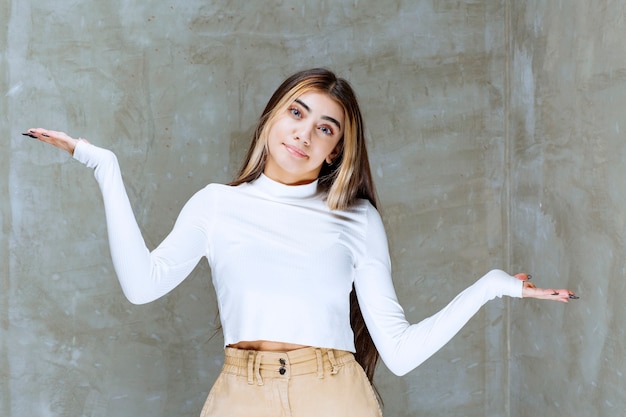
(299, 261)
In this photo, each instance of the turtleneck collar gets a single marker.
(279, 190)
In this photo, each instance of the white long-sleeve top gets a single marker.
(283, 265)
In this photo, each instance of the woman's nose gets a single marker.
(304, 134)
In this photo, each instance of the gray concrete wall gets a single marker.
(567, 221)
(494, 139)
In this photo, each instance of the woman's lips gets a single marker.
(295, 151)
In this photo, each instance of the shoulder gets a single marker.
(372, 235)
(208, 194)
(215, 188)
(359, 205)
(363, 212)
(220, 192)
(210, 200)
(366, 209)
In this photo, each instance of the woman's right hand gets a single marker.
(59, 139)
(529, 290)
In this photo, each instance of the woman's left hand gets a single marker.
(59, 139)
(531, 291)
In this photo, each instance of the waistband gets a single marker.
(261, 365)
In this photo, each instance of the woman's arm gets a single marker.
(143, 275)
(404, 346)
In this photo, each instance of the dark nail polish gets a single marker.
(528, 276)
(29, 135)
(43, 134)
(573, 297)
(555, 293)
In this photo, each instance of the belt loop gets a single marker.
(320, 364)
(257, 368)
(333, 362)
(250, 367)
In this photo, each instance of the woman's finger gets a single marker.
(563, 295)
(59, 139)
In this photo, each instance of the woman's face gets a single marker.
(302, 137)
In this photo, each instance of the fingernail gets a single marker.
(573, 297)
(30, 135)
(43, 134)
(528, 276)
(555, 293)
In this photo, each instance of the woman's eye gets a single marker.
(295, 112)
(326, 130)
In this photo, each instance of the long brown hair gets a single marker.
(346, 179)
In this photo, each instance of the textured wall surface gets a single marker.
(567, 220)
(494, 134)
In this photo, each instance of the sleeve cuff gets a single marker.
(500, 283)
(80, 151)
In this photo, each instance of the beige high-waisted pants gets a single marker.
(307, 382)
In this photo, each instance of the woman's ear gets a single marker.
(335, 152)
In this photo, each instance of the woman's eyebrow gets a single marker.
(308, 109)
(300, 102)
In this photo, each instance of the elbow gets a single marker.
(404, 358)
(137, 302)
(136, 298)
(398, 369)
